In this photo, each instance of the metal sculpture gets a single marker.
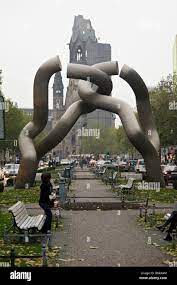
(94, 89)
(40, 117)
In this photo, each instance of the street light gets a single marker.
(2, 118)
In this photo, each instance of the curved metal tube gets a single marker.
(143, 104)
(88, 93)
(91, 92)
(63, 126)
(96, 76)
(80, 107)
(40, 118)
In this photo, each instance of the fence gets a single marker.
(13, 256)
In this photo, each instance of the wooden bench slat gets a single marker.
(41, 223)
(16, 212)
(33, 222)
(23, 220)
(20, 211)
(20, 218)
(23, 225)
(37, 221)
(16, 206)
(28, 224)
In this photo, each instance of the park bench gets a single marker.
(111, 178)
(102, 171)
(24, 222)
(126, 188)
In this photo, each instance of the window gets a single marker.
(79, 54)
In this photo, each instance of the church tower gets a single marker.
(84, 48)
(58, 100)
(82, 35)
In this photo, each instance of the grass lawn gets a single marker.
(166, 196)
(11, 196)
(24, 249)
(155, 220)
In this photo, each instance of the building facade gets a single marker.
(84, 48)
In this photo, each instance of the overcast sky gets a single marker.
(140, 32)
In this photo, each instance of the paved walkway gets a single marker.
(104, 238)
(90, 189)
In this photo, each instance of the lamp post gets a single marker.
(2, 118)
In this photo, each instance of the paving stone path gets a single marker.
(103, 238)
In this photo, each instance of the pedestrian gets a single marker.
(45, 202)
(172, 221)
(81, 163)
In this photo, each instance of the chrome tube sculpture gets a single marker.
(94, 89)
(28, 163)
(143, 136)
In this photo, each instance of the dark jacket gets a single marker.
(46, 189)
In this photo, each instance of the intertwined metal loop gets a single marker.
(94, 88)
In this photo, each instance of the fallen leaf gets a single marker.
(88, 239)
(166, 262)
(67, 260)
(154, 243)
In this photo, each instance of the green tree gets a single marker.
(164, 106)
(15, 120)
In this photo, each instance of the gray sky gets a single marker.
(140, 32)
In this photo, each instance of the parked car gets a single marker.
(65, 161)
(102, 162)
(140, 166)
(11, 169)
(123, 165)
(170, 175)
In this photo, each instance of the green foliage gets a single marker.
(111, 140)
(15, 120)
(152, 220)
(161, 196)
(10, 197)
(115, 140)
(23, 249)
(165, 118)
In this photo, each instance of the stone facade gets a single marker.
(84, 49)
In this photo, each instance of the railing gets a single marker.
(13, 256)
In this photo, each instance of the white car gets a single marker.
(11, 169)
(101, 162)
(169, 167)
(65, 161)
(140, 166)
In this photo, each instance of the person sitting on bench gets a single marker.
(173, 223)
